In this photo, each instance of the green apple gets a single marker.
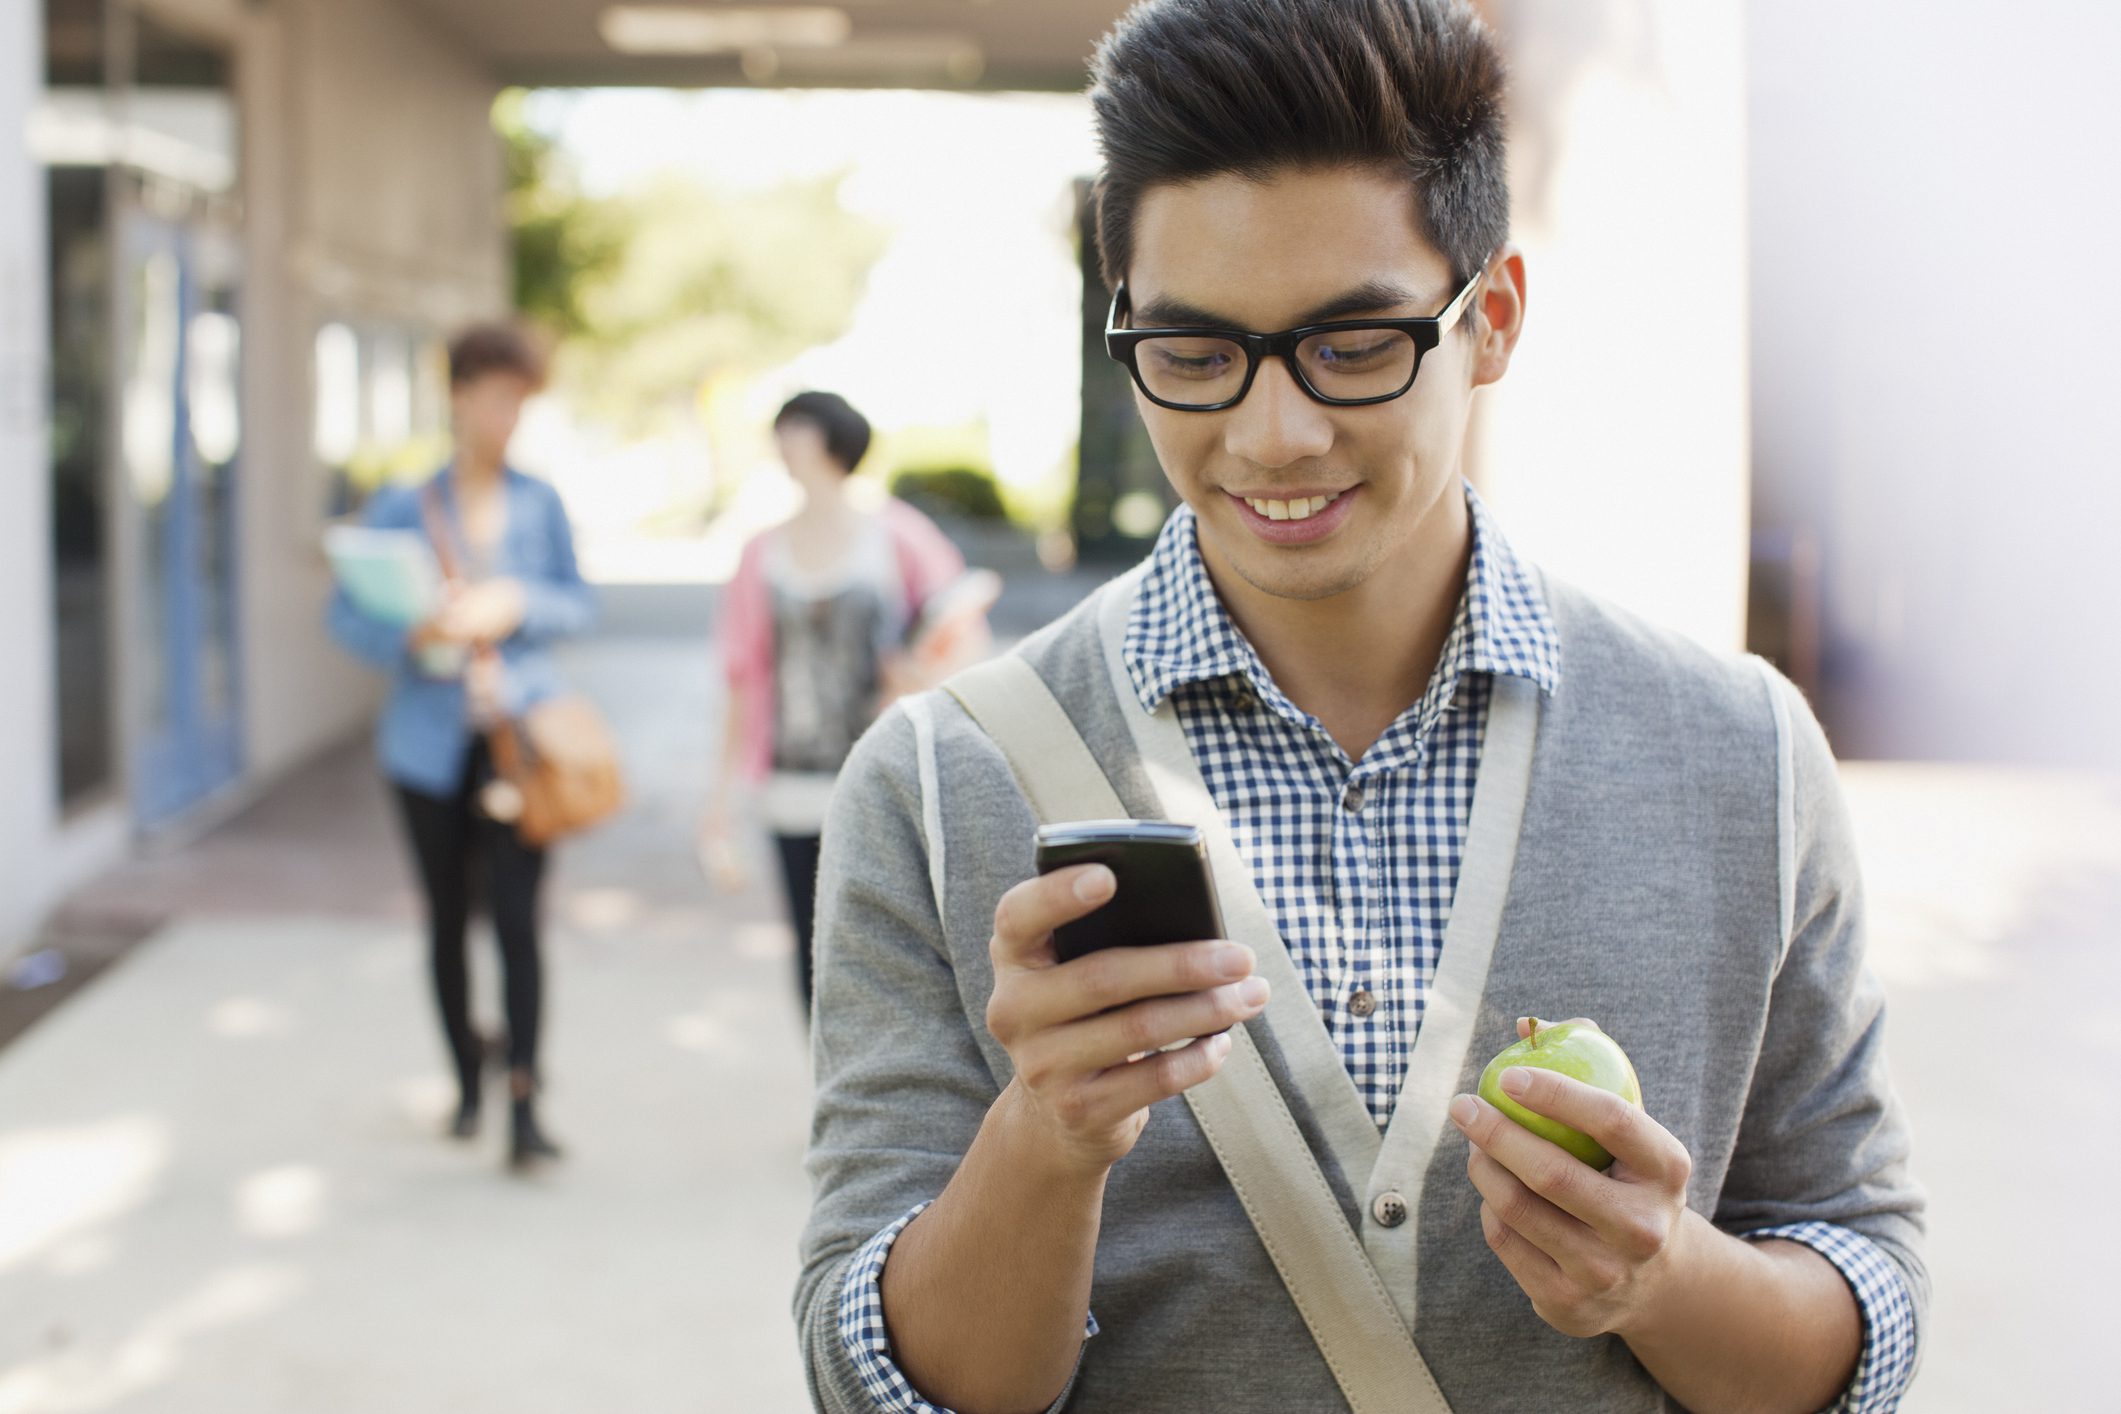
(1575, 1048)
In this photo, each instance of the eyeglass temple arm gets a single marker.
(1456, 309)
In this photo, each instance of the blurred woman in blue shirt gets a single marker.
(517, 589)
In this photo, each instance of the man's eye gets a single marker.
(1181, 361)
(1353, 354)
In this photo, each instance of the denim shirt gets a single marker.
(425, 732)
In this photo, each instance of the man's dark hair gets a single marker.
(846, 431)
(1187, 89)
(493, 348)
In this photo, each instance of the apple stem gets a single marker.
(1531, 1031)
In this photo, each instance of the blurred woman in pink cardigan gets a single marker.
(856, 600)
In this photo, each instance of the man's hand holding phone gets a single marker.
(1086, 1035)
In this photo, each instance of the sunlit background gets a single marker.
(1818, 365)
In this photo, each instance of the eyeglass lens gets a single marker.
(1342, 364)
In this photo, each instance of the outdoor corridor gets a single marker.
(221, 1187)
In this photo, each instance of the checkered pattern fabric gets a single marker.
(863, 1334)
(1888, 1359)
(1357, 861)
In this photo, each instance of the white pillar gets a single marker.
(1615, 452)
(27, 746)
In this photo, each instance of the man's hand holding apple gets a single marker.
(1597, 1253)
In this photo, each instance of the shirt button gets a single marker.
(1390, 1210)
(1362, 1003)
(1352, 800)
(1242, 697)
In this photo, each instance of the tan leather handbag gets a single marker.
(556, 766)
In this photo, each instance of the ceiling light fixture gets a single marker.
(687, 29)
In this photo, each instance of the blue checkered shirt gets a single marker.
(1357, 861)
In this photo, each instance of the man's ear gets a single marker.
(1498, 316)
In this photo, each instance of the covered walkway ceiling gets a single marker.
(1034, 44)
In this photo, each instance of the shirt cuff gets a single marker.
(1888, 1357)
(868, 1343)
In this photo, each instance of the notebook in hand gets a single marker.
(389, 574)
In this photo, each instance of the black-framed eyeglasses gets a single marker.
(1347, 363)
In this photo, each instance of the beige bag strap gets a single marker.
(1241, 1111)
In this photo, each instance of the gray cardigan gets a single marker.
(1684, 873)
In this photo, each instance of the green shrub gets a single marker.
(959, 490)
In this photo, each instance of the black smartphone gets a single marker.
(1165, 892)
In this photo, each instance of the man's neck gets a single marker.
(1360, 659)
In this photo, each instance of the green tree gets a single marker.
(657, 292)
(559, 238)
(709, 284)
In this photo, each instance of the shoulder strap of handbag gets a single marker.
(439, 536)
(1241, 1111)
(502, 739)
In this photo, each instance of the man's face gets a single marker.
(1266, 256)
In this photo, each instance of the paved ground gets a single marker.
(219, 1185)
(219, 1189)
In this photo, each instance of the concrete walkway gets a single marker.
(220, 1188)
(220, 1185)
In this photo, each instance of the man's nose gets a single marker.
(1278, 424)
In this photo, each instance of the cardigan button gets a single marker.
(1362, 1003)
(1390, 1209)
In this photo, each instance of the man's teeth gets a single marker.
(1292, 510)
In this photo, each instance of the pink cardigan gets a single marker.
(926, 560)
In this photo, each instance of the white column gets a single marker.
(27, 746)
(1615, 452)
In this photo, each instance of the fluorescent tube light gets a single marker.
(689, 29)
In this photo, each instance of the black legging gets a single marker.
(450, 838)
(799, 874)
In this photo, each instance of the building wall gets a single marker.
(27, 772)
(1616, 449)
(1934, 374)
(374, 189)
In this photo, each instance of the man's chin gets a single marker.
(1304, 573)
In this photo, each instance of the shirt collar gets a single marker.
(1179, 632)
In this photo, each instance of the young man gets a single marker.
(1334, 644)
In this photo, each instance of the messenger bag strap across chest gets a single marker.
(1241, 1111)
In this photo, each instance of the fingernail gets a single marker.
(1219, 1046)
(1233, 960)
(1094, 883)
(1515, 1081)
(1464, 1110)
(1252, 991)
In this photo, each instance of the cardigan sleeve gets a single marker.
(901, 1085)
(1824, 1139)
(745, 630)
(927, 559)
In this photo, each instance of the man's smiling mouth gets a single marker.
(1290, 507)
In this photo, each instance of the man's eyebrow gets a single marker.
(1169, 312)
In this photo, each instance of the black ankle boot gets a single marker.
(528, 1145)
(466, 1123)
